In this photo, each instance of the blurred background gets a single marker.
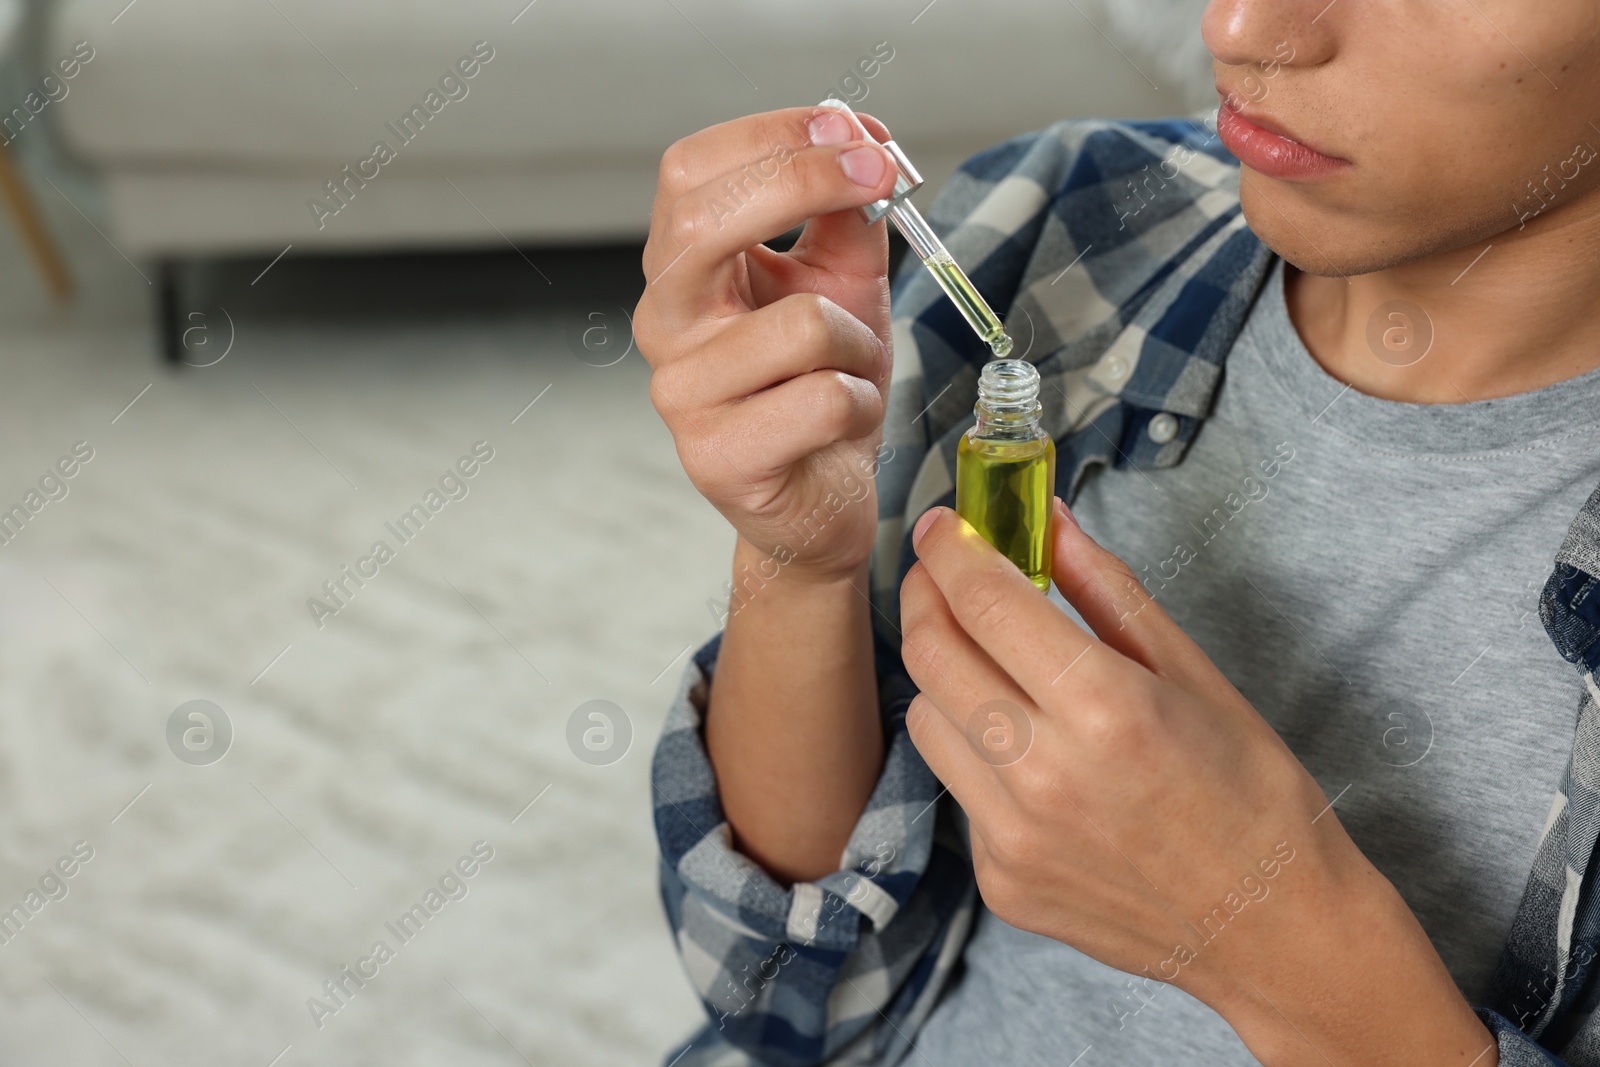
(239, 347)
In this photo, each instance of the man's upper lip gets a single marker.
(1257, 118)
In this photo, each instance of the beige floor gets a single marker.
(377, 749)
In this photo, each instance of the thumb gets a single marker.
(843, 242)
(1118, 607)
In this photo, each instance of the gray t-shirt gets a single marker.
(1376, 600)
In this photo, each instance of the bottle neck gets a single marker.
(1008, 400)
(1006, 424)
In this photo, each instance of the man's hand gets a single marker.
(771, 368)
(1125, 799)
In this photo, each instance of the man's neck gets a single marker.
(1522, 315)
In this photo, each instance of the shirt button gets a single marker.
(1116, 368)
(1162, 428)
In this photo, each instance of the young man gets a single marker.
(1277, 785)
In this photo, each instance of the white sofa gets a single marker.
(216, 123)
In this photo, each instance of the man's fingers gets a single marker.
(693, 242)
(773, 275)
(942, 658)
(1117, 606)
(705, 154)
(691, 161)
(944, 749)
(1028, 637)
(841, 242)
(769, 432)
(795, 335)
(994, 716)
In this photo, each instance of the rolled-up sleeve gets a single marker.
(1516, 1048)
(813, 972)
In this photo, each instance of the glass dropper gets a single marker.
(925, 244)
(956, 285)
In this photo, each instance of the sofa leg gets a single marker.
(169, 327)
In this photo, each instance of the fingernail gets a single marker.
(829, 127)
(864, 165)
(1066, 512)
(922, 525)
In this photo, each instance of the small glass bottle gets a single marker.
(1006, 468)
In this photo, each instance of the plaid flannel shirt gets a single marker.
(1120, 259)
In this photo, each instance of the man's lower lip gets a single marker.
(1269, 153)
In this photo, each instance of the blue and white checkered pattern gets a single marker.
(1119, 257)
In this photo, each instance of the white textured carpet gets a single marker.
(378, 749)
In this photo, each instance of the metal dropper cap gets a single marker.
(906, 182)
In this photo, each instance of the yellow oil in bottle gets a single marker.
(1005, 490)
(1006, 469)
